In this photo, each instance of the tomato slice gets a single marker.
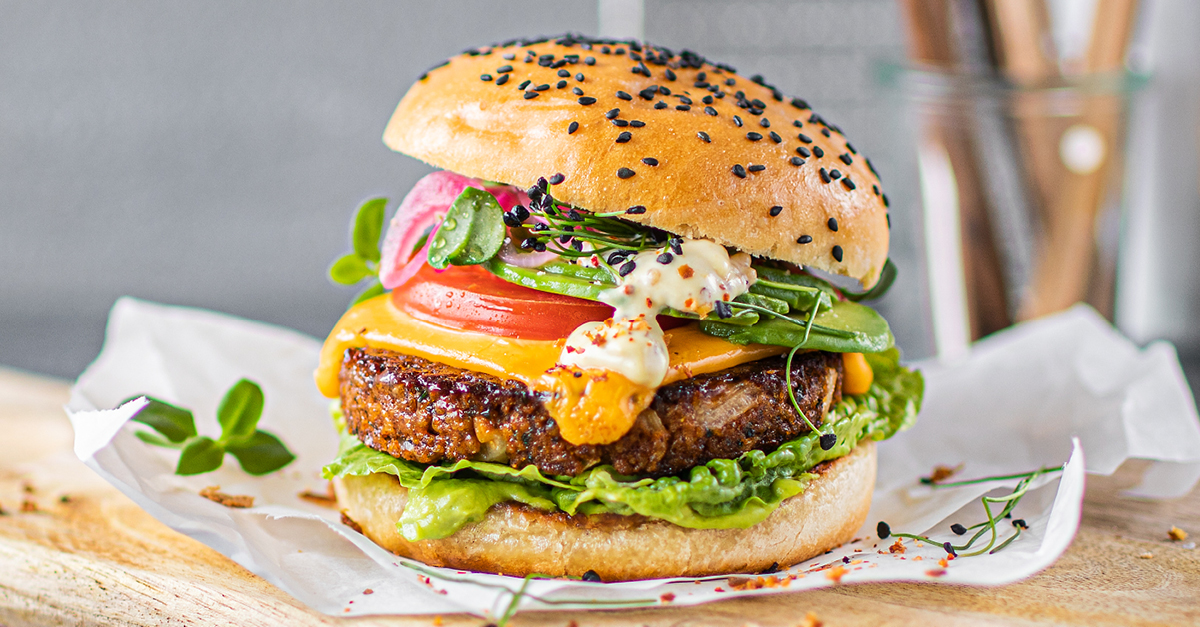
(472, 299)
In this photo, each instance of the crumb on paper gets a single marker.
(936, 572)
(897, 547)
(1177, 534)
(1146, 556)
(368, 591)
(349, 522)
(811, 620)
(28, 506)
(667, 597)
(328, 499)
(942, 473)
(943, 562)
(836, 573)
(214, 494)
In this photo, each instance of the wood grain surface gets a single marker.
(75, 551)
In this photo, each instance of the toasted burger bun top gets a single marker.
(702, 168)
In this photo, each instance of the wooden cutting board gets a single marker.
(73, 550)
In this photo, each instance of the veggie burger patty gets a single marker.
(427, 412)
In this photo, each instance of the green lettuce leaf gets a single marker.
(721, 494)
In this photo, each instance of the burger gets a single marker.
(618, 334)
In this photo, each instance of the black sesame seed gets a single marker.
(682, 108)
(524, 84)
(591, 574)
(684, 99)
(845, 158)
(564, 73)
(624, 137)
(803, 152)
(739, 171)
(752, 136)
(557, 178)
(723, 309)
(707, 100)
(660, 105)
(885, 200)
(845, 558)
(530, 95)
(797, 124)
(650, 161)
(605, 50)
(625, 173)
(504, 69)
(648, 93)
(502, 80)
(542, 87)
(574, 126)
(612, 113)
(509, 56)
(626, 268)
(851, 148)
(818, 152)
(765, 123)
(487, 78)
(620, 122)
(775, 137)
(756, 168)
(799, 104)
(669, 74)
(636, 209)
(676, 245)
(837, 253)
(579, 77)
(833, 225)
(665, 258)
(848, 184)
(804, 138)
(804, 239)
(882, 529)
(824, 175)
(958, 529)
(875, 189)
(560, 84)
(776, 210)
(664, 91)
(590, 61)
(710, 110)
(825, 132)
(797, 161)
(835, 174)
(624, 96)
(1020, 522)
(828, 440)
(700, 84)
(704, 136)
(637, 123)
(577, 91)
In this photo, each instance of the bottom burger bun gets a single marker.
(518, 540)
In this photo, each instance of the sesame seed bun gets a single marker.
(517, 540)
(513, 113)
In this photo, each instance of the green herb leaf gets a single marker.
(368, 226)
(371, 291)
(261, 453)
(149, 437)
(200, 455)
(239, 411)
(471, 233)
(349, 269)
(174, 423)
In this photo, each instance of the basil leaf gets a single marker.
(371, 291)
(349, 269)
(240, 410)
(261, 453)
(174, 423)
(200, 455)
(471, 233)
(368, 227)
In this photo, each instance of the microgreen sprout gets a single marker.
(987, 527)
(362, 263)
(258, 451)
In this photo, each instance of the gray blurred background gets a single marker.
(210, 154)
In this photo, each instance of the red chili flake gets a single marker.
(667, 598)
(936, 572)
(368, 591)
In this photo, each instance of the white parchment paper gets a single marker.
(1060, 390)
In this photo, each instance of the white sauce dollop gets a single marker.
(631, 343)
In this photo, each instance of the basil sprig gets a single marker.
(362, 263)
(257, 451)
(471, 233)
